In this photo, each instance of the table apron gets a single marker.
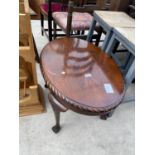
(130, 46)
(79, 109)
(102, 23)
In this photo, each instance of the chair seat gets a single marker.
(54, 7)
(80, 21)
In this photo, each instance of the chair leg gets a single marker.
(78, 32)
(82, 32)
(50, 28)
(98, 36)
(42, 24)
(55, 32)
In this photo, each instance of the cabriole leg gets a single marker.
(57, 108)
(106, 115)
(56, 128)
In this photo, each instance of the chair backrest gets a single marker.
(63, 2)
(82, 6)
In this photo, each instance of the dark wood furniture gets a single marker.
(50, 6)
(78, 18)
(80, 77)
(46, 10)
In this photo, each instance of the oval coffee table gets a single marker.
(81, 78)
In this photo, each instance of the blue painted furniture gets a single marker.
(125, 36)
(109, 20)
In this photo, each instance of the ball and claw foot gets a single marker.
(104, 117)
(46, 86)
(56, 129)
(110, 114)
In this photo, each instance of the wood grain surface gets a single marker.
(81, 75)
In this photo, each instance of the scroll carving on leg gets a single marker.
(57, 108)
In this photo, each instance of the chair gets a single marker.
(78, 18)
(46, 10)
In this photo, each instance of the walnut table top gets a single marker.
(81, 76)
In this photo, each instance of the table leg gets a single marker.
(111, 45)
(106, 40)
(57, 127)
(129, 59)
(106, 115)
(45, 86)
(130, 74)
(57, 108)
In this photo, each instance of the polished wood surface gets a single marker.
(81, 76)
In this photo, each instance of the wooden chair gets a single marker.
(53, 8)
(46, 10)
(78, 18)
